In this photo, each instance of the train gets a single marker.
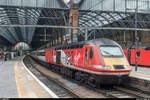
(99, 61)
(143, 54)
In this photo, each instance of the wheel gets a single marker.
(92, 81)
(77, 76)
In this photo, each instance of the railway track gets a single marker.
(59, 89)
(111, 92)
(133, 91)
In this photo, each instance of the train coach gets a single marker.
(143, 55)
(99, 61)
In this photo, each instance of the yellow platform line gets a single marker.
(22, 91)
(27, 86)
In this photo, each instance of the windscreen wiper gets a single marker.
(108, 53)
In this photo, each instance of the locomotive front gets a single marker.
(114, 58)
(112, 66)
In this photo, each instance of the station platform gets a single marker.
(16, 82)
(142, 72)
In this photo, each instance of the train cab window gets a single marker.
(111, 51)
(138, 54)
(71, 52)
(147, 48)
(91, 53)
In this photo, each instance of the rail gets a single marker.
(59, 89)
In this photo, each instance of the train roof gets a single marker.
(102, 41)
(98, 42)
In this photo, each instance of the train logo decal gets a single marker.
(64, 58)
(54, 58)
(76, 58)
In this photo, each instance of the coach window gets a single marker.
(138, 54)
(147, 48)
(86, 52)
(91, 53)
(42, 53)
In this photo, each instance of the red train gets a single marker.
(99, 61)
(143, 55)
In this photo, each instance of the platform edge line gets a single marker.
(42, 84)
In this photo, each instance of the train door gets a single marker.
(129, 56)
(86, 56)
(139, 57)
(58, 57)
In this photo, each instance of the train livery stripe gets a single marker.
(99, 73)
(43, 85)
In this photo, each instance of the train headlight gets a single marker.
(107, 67)
(98, 66)
(102, 67)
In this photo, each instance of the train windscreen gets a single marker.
(111, 51)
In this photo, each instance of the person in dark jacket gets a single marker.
(6, 57)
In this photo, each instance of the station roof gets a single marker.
(113, 13)
(28, 12)
(92, 13)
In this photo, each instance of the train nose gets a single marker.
(116, 63)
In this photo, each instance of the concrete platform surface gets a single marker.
(7, 80)
(142, 72)
(27, 86)
(16, 82)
